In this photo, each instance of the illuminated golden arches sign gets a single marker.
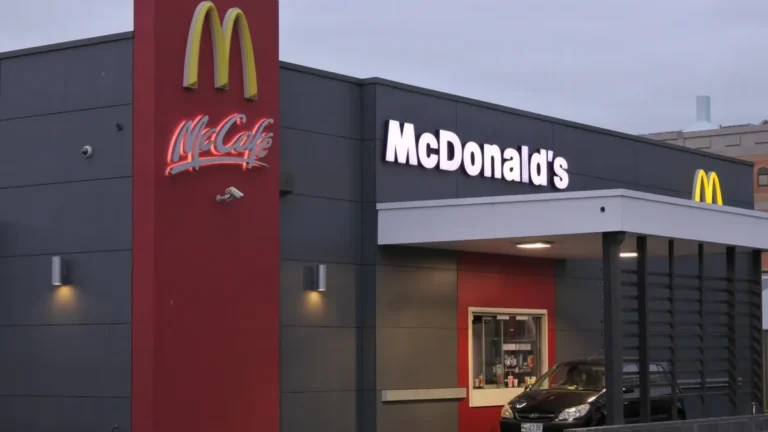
(711, 186)
(221, 35)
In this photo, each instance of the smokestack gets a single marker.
(703, 113)
(703, 116)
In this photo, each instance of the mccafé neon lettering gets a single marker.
(446, 153)
(195, 144)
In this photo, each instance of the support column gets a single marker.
(612, 327)
(733, 385)
(756, 329)
(673, 308)
(642, 311)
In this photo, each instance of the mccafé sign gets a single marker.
(446, 152)
(198, 142)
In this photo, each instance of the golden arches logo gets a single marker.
(221, 35)
(711, 186)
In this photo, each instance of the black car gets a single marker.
(572, 395)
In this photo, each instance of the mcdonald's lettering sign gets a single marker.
(709, 185)
(221, 35)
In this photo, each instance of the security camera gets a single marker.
(234, 192)
(86, 151)
(230, 194)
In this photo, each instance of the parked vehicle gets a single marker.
(572, 395)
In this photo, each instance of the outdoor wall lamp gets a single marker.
(318, 276)
(57, 271)
(628, 254)
(230, 194)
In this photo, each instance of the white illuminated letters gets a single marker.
(447, 153)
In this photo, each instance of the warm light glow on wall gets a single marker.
(64, 297)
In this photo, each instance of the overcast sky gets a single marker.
(630, 65)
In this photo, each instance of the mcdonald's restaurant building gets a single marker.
(195, 240)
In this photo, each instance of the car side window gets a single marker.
(631, 375)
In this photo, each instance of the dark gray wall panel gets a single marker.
(413, 358)
(82, 360)
(320, 229)
(67, 217)
(427, 113)
(368, 166)
(318, 359)
(47, 149)
(595, 154)
(319, 412)
(485, 125)
(99, 291)
(368, 357)
(573, 345)
(91, 76)
(319, 104)
(47, 414)
(416, 297)
(405, 256)
(322, 165)
(396, 182)
(440, 416)
(339, 306)
(578, 304)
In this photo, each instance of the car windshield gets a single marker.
(573, 376)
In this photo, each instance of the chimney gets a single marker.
(703, 116)
(703, 113)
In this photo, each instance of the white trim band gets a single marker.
(566, 213)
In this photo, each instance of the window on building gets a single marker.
(507, 351)
(762, 177)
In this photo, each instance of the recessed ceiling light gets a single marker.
(628, 254)
(534, 245)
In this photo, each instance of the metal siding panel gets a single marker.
(64, 414)
(67, 217)
(578, 303)
(320, 104)
(368, 171)
(318, 359)
(91, 76)
(423, 416)
(413, 297)
(339, 306)
(409, 358)
(100, 290)
(319, 412)
(322, 165)
(595, 154)
(81, 360)
(417, 257)
(396, 182)
(318, 229)
(46, 149)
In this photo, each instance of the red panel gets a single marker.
(502, 282)
(205, 274)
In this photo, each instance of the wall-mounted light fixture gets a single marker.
(316, 276)
(628, 254)
(57, 271)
